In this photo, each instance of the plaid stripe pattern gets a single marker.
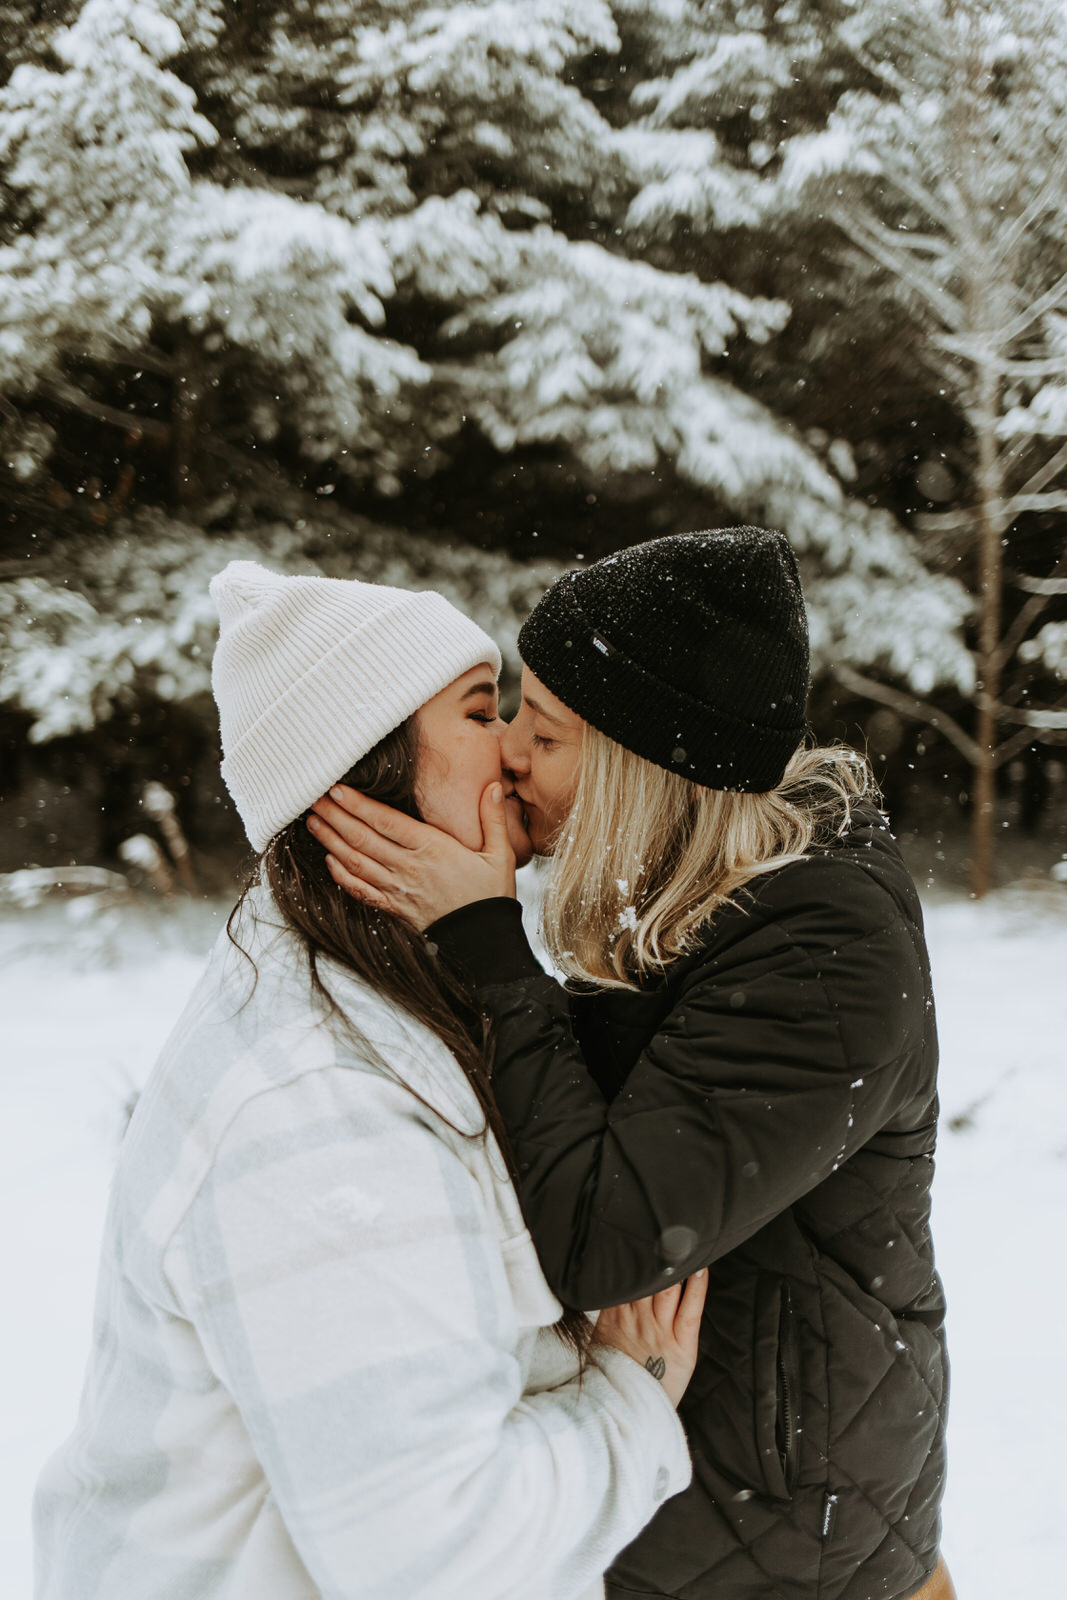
(322, 1362)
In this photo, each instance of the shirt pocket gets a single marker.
(535, 1304)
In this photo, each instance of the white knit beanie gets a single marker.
(310, 673)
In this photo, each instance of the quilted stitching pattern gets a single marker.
(854, 1249)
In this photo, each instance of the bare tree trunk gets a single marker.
(990, 601)
(973, 279)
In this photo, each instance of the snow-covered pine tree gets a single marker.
(711, 98)
(92, 157)
(120, 255)
(131, 620)
(360, 235)
(950, 175)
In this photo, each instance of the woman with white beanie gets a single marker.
(326, 1361)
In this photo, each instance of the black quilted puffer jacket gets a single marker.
(770, 1112)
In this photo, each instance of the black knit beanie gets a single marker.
(690, 650)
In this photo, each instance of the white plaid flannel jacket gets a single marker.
(322, 1363)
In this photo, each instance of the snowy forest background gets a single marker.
(456, 295)
(459, 295)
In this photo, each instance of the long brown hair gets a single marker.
(390, 955)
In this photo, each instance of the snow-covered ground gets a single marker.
(87, 997)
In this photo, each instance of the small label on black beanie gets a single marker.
(603, 646)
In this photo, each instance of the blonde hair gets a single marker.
(646, 857)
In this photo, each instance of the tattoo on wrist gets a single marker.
(657, 1366)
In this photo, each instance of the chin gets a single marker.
(518, 837)
(542, 841)
(521, 844)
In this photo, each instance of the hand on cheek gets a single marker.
(409, 868)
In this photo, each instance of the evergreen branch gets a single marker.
(926, 199)
(1012, 693)
(945, 521)
(961, 520)
(1042, 201)
(1049, 301)
(944, 304)
(1046, 721)
(32, 503)
(882, 71)
(1015, 504)
(903, 238)
(1035, 367)
(1026, 617)
(67, 394)
(907, 705)
(1011, 747)
(1046, 586)
(1008, 458)
(1051, 469)
(981, 349)
(1003, 512)
(143, 360)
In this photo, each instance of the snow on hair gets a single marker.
(646, 857)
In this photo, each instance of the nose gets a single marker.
(512, 750)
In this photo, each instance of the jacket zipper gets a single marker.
(787, 1411)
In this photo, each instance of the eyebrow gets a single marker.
(539, 711)
(478, 688)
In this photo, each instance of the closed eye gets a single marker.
(540, 743)
(482, 716)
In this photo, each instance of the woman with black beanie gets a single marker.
(740, 1071)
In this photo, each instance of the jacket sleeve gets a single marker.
(782, 1057)
(351, 1292)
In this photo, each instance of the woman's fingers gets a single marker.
(691, 1308)
(367, 870)
(660, 1332)
(404, 831)
(676, 1311)
(496, 846)
(329, 821)
(360, 889)
(361, 863)
(429, 871)
(665, 1304)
